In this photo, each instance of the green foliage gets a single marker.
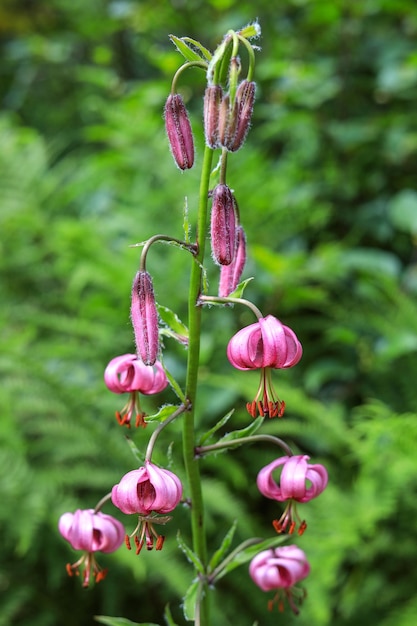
(326, 190)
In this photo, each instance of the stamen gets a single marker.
(160, 542)
(140, 420)
(127, 542)
(69, 569)
(101, 575)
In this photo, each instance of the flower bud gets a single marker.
(223, 225)
(212, 103)
(179, 132)
(227, 122)
(230, 274)
(245, 98)
(145, 318)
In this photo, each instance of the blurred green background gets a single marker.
(327, 191)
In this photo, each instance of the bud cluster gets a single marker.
(226, 119)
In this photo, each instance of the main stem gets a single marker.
(192, 467)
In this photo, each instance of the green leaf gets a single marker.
(244, 556)
(190, 600)
(172, 320)
(175, 386)
(139, 456)
(250, 31)
(243, 432)
(196, 44)
(238, 292)
(188, 52)
(120, 621)
(190, 555)
(216, 427)
(224, 547)
(163, 413)
(168, 617)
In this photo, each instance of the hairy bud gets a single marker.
(245, 98)
(227, 122)
(230, 274)
(179, 132)
(223, 225)
(145, 318)
(212, 102)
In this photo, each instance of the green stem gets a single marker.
(192, 467)
(221, 445)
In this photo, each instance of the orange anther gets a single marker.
(159, 542)
(127, 542)
(101, 575)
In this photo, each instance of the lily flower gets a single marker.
(266, 344)
(281, 568)
(91, 532)
(299, 482)
(148, 491)
(128, 374)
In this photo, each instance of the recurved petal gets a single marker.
(125, 495)
(158, 380)
(108, 533)
(119, 373)
(266, 483)
(167, 486)
(245, 349)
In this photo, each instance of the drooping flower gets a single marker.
(91, 532)
(179, 131)
(149, 491)
(299, 482)
(223, 225)
(230, 274)
(281, 568)
(127, 374)
(266, 344)
(144, 317)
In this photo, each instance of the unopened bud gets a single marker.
(223, 225)
(212, 103)
(230, 274)
(227, 122)
(145, 318)
(179, 131)
(245, 98)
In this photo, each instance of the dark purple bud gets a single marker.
(245, 98)
(230, 274)
(144, 318)
(223, 225)
(212, 102)
(179, 131)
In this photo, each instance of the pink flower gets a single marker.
(147, 491)
(299, 482)
(280, 568)
(267, 343)
(127, 374)
(92, 532)
(264, 345)
(145, 318)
